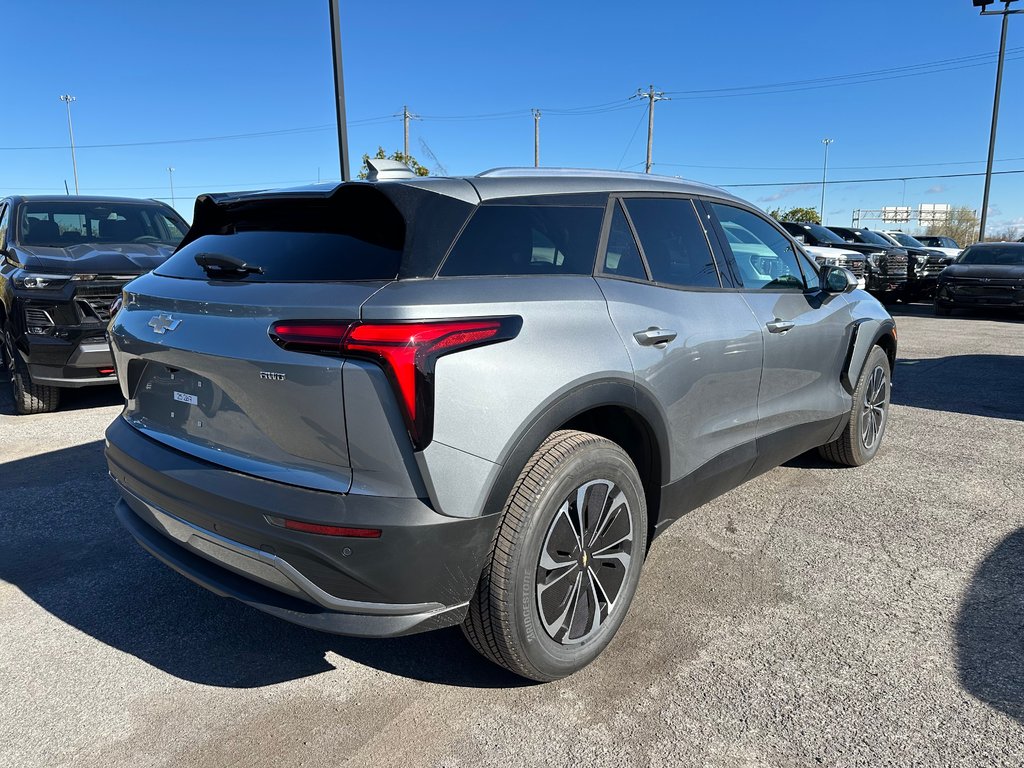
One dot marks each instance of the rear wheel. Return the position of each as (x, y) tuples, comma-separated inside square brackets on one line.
[(28, 397), (859, 442), (566, 559)]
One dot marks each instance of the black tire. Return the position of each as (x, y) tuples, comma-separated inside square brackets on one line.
[(869, 415), (508, 621), (942, 310), (28, 397)]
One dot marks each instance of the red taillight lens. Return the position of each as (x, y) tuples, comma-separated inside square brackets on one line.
[(406, 351)]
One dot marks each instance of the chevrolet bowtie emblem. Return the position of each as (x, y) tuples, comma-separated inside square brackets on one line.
[(162, 323)]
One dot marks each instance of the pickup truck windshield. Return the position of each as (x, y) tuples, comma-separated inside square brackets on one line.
[(60, 224)]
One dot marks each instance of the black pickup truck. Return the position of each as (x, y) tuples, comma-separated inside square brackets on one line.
[(64, 261)]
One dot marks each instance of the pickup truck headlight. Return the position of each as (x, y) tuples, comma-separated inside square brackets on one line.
[(24, 279), (875, 257)]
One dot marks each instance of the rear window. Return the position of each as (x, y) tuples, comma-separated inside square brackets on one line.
[(526, 240), (290, 257), (356, 235)]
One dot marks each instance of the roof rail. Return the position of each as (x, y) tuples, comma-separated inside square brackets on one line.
[(512, 172)]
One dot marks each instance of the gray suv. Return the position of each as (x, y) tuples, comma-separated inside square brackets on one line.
[(383, 407)]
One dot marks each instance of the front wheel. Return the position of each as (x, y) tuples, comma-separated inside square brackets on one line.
[(28, 397), (869, 416), (566, 560)]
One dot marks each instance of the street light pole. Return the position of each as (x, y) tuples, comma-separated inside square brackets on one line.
[(67, 98), (339, 90), (170, 175), (536, 137), (824, 175), (1005, 13)]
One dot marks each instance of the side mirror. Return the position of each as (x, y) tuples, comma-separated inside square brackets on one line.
[(838, 280)]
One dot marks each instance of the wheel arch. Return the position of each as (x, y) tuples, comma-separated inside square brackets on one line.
[(612, 408)]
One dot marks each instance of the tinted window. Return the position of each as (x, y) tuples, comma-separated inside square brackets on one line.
[(764, 256), (526, 240), (1004, 255), (62, 223), (622, 258), (907, 240), (673, 242), (291, 257)]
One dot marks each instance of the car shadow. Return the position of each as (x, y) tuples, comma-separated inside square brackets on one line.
[(62, 547), (990, 629), (980, 385), (70, 399)]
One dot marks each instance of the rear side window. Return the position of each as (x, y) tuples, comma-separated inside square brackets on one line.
[(526, 240), (673, 242)]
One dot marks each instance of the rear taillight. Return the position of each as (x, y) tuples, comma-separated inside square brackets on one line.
[(406, 351), (325, 530)]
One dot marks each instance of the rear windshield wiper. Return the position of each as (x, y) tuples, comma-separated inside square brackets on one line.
[(218, 264)]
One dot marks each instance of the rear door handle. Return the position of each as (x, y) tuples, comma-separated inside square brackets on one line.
[(780, 326), (653, 337)]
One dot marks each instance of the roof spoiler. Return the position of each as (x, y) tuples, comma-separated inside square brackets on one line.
[(383, 170)]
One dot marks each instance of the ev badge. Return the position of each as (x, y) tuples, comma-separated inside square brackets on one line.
[(162, 323)]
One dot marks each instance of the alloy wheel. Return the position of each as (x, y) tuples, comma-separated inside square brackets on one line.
[(873, 412), (584, 562)]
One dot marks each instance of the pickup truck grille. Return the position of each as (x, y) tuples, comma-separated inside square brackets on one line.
[(93, 302), (854, 265), (894, 264)]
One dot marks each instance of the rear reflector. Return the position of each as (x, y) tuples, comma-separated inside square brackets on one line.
[(104, 371), (406, 351), (325, 530)]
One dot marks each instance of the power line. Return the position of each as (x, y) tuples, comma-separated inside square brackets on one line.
[(835, 167), (867, 181)]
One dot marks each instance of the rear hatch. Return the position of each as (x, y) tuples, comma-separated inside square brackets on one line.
[(192, 342)]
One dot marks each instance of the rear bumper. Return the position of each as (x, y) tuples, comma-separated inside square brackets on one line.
[(210, 524)]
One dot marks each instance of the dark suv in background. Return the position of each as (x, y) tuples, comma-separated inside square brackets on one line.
[(385, 407), (64, 261)]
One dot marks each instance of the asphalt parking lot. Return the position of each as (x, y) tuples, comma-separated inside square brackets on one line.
[(814, 616)]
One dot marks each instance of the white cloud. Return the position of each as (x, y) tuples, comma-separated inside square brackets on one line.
[(786, 192), (936, 189)]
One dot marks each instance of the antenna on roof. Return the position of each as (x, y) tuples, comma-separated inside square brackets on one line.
[(66, 190)]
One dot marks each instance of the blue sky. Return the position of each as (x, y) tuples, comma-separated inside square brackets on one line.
[(155, 72)]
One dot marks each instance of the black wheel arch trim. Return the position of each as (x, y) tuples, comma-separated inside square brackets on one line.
[(623, 393), (860, 344)]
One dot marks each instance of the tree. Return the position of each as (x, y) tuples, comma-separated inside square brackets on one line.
[(961, 225), (796, 214), (1009, 234), (398, 155)]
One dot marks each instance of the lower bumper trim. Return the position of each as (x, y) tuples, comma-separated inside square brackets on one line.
[(222, 581)]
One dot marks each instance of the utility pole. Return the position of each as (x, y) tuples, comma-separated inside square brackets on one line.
[(652, 96), (339, 89), (824, 175), (170, 175), (67, 98), (406, 117), (1005, 13), (536, 137)]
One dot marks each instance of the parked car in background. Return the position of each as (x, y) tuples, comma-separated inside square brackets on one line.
[(925, 264), (833, 255), (984, 275), (885, 267), (386, 407), (65, 259), (945, 244)]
